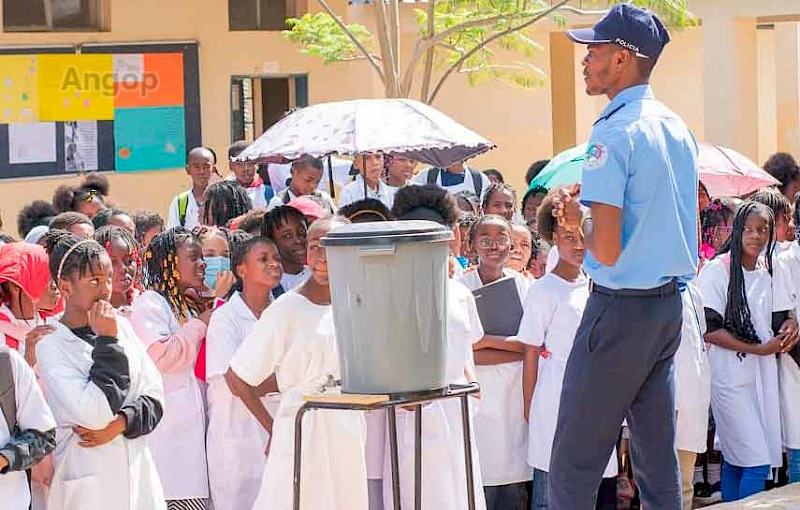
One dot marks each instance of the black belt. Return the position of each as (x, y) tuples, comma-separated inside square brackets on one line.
[(667, 289)]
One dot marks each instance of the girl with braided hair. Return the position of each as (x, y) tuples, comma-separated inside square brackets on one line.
[(748, 323), (224, 201), (171, 319), (123, 250), (104, 390)]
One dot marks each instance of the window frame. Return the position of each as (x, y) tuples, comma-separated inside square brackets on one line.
[(98, 14)]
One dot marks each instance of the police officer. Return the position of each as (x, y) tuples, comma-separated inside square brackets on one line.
[(637, 208)]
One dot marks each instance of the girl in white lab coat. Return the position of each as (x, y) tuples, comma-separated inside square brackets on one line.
[(500, 428), (294, 339), (443, 470), (104, 390), (553, 310), (288, 228), (171, 320), (123, 250), (236, 441), (737, 291)]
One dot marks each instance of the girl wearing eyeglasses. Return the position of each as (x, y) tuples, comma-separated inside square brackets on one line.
[(500, 428)]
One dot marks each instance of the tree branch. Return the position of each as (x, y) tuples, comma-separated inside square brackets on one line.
[(353, 38), (428, 69), (394, 37), (490, 39), (390, 84)]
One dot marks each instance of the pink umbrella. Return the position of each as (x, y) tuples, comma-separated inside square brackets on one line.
[(726, 173)]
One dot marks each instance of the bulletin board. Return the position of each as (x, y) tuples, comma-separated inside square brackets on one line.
[(126, 108)]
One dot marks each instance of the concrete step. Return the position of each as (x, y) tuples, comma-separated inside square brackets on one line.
[(785, 498)]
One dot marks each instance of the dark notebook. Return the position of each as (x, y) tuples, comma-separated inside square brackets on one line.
[(499, 307)]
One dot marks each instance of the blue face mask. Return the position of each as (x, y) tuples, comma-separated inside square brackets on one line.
[(213, 267)]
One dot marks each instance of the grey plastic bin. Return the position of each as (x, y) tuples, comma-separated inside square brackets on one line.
[(389, 295)]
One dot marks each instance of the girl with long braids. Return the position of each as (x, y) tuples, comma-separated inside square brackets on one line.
[(748, 324), (123, 250), (171, 319), (224, 201), (104, 390)]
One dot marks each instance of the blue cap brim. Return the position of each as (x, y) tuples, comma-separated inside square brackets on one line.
[(587, 36)]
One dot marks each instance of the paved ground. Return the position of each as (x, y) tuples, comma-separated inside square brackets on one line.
[(785, 498)]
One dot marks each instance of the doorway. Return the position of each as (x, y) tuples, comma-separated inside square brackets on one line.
[(258, 102)]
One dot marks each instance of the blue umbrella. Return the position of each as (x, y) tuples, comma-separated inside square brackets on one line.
[(563, 169)]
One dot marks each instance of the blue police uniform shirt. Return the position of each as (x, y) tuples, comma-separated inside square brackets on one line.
[(642, 158)]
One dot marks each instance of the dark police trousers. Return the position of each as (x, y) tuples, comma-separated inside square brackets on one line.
[(621, 366)]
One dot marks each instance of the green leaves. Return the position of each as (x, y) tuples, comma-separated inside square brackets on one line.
[(321, 36), (483, 40)]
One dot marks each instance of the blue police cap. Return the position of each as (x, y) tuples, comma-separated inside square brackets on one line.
[(636, 29)]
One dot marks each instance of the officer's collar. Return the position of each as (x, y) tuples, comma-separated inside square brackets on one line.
[(625, 96)]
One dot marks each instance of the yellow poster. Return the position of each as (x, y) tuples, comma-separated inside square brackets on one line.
[(76, 87), (18, 90)]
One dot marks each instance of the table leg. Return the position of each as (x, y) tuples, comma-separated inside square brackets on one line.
[(392, 412), (467, 432), (418, 457), (298, 453)]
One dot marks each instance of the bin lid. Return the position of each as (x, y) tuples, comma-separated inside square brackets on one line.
[(387, 232)]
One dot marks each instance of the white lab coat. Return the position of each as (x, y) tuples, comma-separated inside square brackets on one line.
[(120, 474), (354, 192), (744, 389), (500, 428), (787, 279), (295, 340), (33, 413), (236, 441), (553, 311), (178, 444), (444, 478), (692, 376)]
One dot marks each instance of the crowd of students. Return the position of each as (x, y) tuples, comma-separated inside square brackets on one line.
[(151, 365)]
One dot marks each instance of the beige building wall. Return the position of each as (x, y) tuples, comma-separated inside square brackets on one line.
[(725, 95)]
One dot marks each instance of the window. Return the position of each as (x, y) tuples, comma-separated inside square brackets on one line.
[(259, 14), (51, 15), (258, 102)]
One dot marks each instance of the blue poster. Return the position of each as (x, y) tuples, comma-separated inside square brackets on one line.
[(150, 138)]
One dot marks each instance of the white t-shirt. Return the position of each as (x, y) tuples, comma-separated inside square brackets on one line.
[(290, 281), (500, 428), (553, 311), (192, 212), (552, 259), (33, 413), (467, 185), (354, 192), (744, 389)]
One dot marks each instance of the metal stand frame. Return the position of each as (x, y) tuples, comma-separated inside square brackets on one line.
[(459, 391)]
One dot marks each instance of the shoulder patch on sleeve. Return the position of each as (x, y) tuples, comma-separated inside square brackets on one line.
[(596, 156)]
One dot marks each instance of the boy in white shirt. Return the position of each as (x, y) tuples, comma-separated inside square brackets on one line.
[(27, 428), (184, 210), (306, 175), (244, 172)]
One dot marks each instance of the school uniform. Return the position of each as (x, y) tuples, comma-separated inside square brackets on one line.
[(192, 212), (443, 464), (258, 192), (354, 192), (289, 281), (34, 420), (178, 444), (286, 196), (744, 389), (692, 390), (295, 340), (500, 428), (455, 182), (552, 312), (89, 380), (787, 277), (236, 441)]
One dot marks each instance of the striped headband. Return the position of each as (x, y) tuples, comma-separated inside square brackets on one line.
[(69, 252)]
